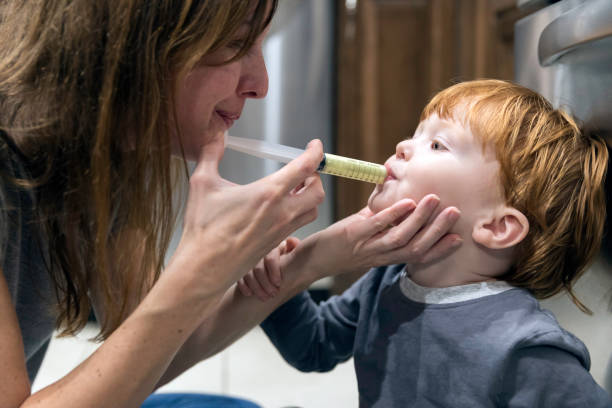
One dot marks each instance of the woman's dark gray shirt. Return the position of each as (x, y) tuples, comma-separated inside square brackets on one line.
[(23, 265)]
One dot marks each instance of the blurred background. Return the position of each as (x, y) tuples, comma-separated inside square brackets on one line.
[(356, 74)]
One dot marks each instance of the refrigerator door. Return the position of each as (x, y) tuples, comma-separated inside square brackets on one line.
[(299, 106), (564, 51)]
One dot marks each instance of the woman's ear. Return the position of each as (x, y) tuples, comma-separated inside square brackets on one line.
[(505, 229)]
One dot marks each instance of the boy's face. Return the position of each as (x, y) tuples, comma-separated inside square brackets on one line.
[(443, 157)]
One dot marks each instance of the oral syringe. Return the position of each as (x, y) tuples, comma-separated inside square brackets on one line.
[(331, 163)]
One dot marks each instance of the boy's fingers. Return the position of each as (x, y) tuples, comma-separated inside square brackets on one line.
[(262, 276), (257, 290), (269, 276), (290, 244), (243, 288)]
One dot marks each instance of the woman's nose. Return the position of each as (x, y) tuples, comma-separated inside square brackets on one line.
[(254, 80), (403, 150)]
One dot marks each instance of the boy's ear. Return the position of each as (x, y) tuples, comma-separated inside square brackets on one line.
[(505, 229)]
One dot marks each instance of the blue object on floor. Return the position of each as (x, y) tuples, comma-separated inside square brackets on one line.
[(183, 400)]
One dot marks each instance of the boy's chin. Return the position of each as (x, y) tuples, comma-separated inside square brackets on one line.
[(376, 205)]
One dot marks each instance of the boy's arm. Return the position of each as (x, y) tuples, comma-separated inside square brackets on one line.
[(316, 337)]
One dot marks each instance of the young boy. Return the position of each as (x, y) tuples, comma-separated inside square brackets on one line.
[(464, 330)]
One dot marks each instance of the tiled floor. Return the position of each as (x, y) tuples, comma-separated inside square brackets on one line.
[(251, 369)]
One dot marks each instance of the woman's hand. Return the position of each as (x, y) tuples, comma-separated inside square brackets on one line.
[(228, 228), (402, 233)]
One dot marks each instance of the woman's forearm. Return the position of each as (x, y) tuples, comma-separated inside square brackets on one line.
[(236, 314), (123, 371)]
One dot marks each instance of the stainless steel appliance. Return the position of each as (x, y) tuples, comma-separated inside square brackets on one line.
[(299, 106), (564, 51)]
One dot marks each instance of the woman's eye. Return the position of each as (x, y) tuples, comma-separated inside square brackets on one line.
[(236, 44)]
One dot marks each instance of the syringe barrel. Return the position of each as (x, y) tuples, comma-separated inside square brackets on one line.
[(353, 168)]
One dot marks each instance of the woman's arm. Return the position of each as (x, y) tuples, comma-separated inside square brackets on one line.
[(227, 229), (14, 382)]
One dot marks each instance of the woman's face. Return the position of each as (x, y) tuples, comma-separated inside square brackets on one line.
[(211, 96)]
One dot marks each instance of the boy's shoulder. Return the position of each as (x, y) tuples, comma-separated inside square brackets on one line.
[(378, 278), (517, 316)]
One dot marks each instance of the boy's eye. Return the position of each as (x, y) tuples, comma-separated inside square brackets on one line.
[(435, 145)]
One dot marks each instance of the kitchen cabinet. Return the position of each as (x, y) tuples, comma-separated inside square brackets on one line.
[(392, 56)]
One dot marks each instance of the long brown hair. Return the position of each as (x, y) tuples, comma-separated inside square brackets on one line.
[(550, 171), (85, 96)]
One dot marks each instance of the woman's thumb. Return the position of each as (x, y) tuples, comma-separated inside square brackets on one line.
[(210, 155)]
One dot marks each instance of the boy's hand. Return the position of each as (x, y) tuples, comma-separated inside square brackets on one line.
[(265, 279)]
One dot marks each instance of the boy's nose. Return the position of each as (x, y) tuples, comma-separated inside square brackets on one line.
[(403, 150)]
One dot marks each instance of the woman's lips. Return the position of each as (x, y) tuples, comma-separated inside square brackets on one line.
[(228, 117)]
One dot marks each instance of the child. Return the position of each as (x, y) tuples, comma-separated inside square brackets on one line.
[(465, 330)]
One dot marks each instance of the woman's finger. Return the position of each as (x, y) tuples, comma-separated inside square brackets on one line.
[(444, 246), (369, 227), (303, 219), (404, 233), (209, 157), (309, 196), (297, 170), (431, 241), (427, 237)]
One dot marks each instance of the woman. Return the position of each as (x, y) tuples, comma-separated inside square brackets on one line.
[(101, 103)]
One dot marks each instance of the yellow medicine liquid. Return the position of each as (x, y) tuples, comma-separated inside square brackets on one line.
[(353, 169)]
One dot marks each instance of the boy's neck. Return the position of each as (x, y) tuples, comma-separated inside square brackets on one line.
[(470, 263)]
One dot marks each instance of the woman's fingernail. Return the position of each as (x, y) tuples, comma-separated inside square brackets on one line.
[(454, 216)]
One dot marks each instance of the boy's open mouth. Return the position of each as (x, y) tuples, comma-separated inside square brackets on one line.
[(390, 173)]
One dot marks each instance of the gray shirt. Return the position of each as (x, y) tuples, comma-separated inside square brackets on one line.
[(496, 350), (23, 266)]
